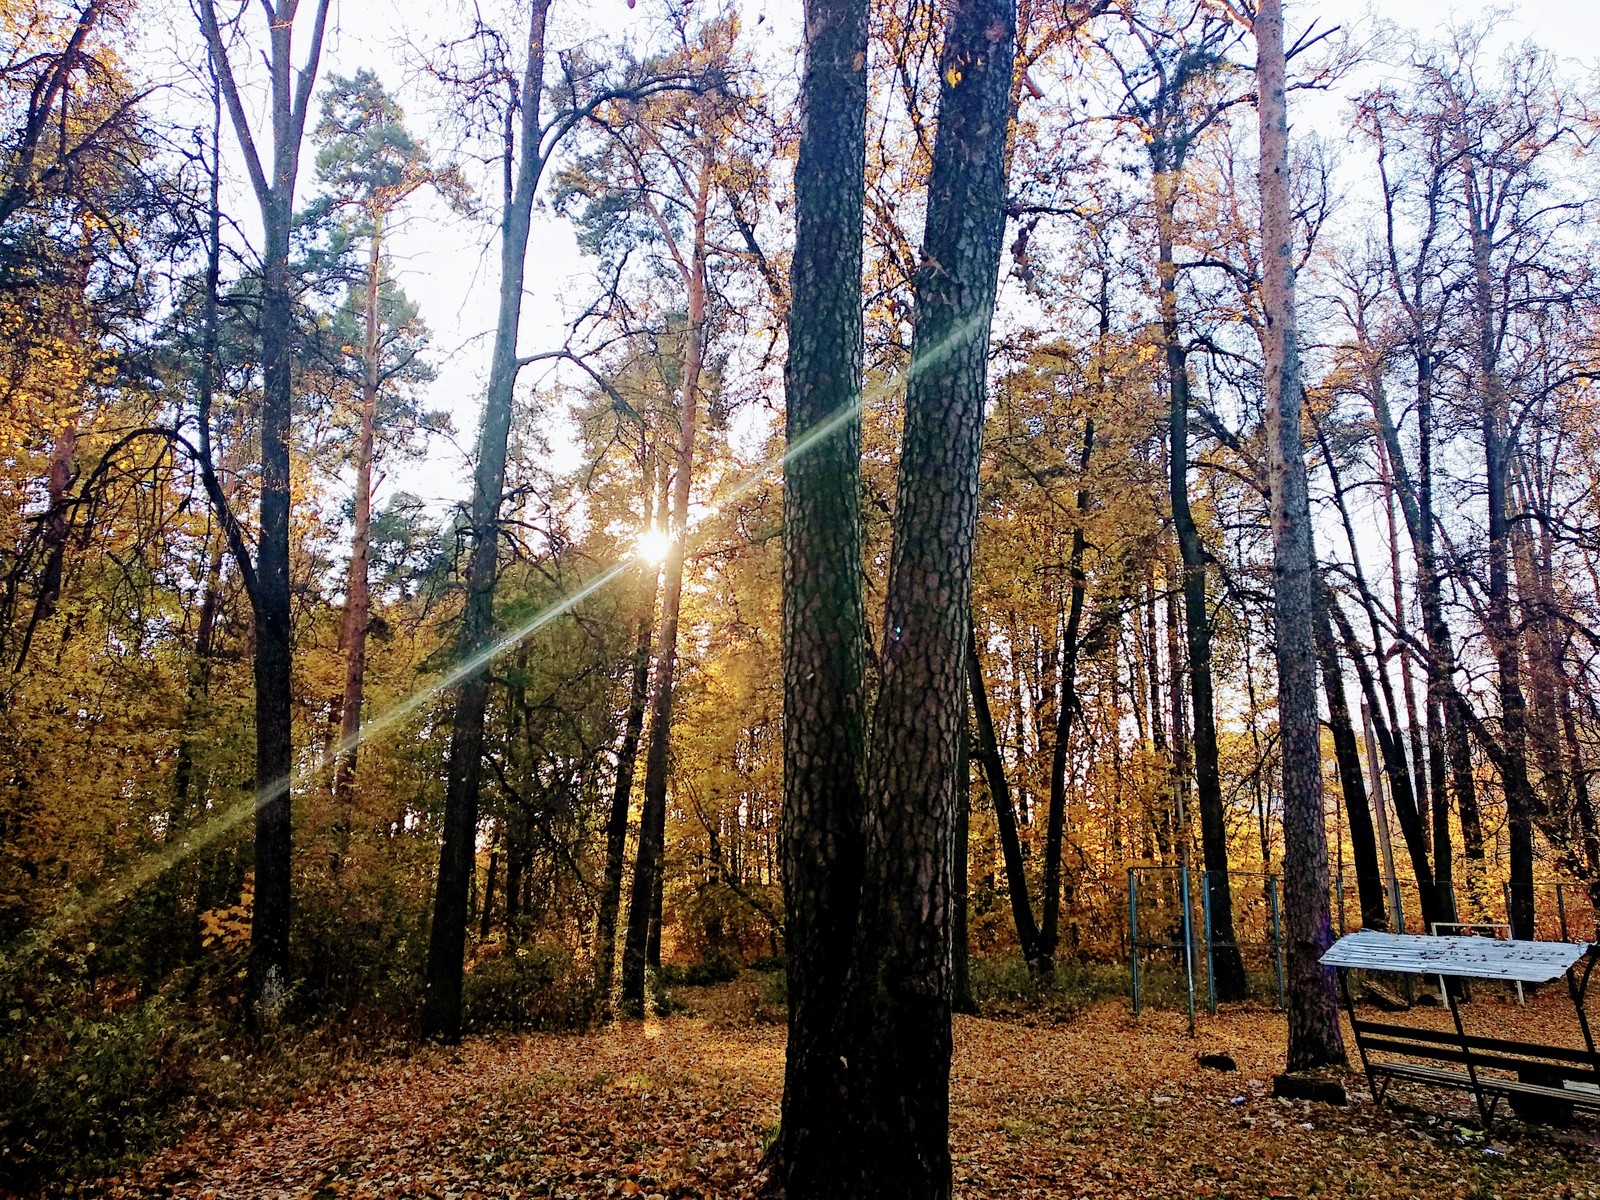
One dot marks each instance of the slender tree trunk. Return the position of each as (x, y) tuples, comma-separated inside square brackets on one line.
[(899, 1058), (1314, 1037), (441, 1011), (205, 385), (274, 184), (824, 619), (1421, 778), (516, 840), (994, 773), (1226, 960), (1069, 707), (605, 946), (652, 944), (1544, 673), (644, 899), (1363, 840), (1179, 817), (489, 880), (1405, 805), (1504, 643), (357, 599), (198, 692), (1438, 904), (1442, 658), (1449, 751)]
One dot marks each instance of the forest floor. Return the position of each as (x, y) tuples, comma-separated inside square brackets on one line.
[(1103, 1105)]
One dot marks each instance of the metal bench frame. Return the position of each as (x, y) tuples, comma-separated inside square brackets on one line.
[(1478, 1054)]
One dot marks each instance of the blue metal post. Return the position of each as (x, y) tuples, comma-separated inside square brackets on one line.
[(1188, 945), (1205, 932)]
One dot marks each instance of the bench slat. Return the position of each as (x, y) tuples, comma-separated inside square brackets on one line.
[(1448, 1037), (1498, 1062), (1491, 1084)]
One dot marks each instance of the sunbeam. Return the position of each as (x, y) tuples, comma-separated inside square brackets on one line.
[(83, 906)]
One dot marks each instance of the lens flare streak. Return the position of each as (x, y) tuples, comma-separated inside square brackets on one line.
[(84, 905)]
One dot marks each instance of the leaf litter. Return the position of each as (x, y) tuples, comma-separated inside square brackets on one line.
[(1103, 1106)]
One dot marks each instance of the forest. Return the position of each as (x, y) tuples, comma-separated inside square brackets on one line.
[(840, 520)]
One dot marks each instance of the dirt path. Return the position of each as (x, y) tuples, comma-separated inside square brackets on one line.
[(1104, 1107)]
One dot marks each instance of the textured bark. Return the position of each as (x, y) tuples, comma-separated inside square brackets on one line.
[(1358, 813), (274, 184), (961, 998), (1314, 1037), (824, 620), (441, 1010), (899, 1056), (1226, 960), (644, 901), (1005, 815)]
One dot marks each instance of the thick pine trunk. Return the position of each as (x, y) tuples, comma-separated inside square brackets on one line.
[(824, 621), (441, 1010), (962, 999), (1314, 1038), (899, 1056)]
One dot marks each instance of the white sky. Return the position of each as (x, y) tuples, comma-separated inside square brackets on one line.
[(449, 265)]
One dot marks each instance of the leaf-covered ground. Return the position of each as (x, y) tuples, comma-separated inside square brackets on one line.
[(1104, 1106)]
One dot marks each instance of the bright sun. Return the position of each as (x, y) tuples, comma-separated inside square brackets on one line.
[(653, 545)]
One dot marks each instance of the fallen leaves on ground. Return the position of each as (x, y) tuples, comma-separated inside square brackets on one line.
[(1106, 1106)]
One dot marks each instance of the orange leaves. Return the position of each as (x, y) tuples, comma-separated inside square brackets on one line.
[(228, 928), (1106, 1107)]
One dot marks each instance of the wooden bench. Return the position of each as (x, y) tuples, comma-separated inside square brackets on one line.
[(1539, 1082)]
